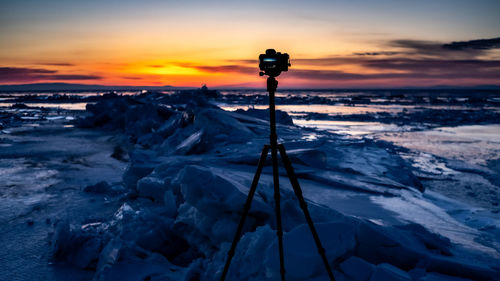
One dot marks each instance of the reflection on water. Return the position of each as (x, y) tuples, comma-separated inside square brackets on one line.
[(474, 144), (234, 107), (316, 108), (352, 128), (68, 106), (340, 127), (78, 94), (347, 110)]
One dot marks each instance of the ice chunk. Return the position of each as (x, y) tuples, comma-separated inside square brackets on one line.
[(170, 203), (152, 267), (432, 276), (213, 194), (281, 116), (357, 269), (221, 126), (191, 144), (177, 121), (247, 263), (142, 163), (103, 187), (109, 255), (80, 248), (302, 260), (152, 187), (310, 157), (100, 187), (135, 172), (378, 245), (88, 254), (159, 238), (387, 272)]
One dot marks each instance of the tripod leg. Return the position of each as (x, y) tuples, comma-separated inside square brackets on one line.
[(303, 206), (246, 208), (279, 231)]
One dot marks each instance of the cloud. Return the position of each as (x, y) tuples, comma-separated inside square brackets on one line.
[(321, 61), (310, 74), (55, 64), (395, 66), (132, 77), (227, 68), (408, 60), (413, 65), (376, 54), (462, 49), (72, 77), (480, 44), (392, 67), (20, 74), (440, 73)]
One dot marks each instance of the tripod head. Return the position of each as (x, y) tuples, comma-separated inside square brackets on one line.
[(272, 63)]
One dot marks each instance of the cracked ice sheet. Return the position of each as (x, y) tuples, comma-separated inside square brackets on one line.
[(422, 210)]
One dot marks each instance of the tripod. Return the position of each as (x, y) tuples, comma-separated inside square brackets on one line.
[(272, 84)]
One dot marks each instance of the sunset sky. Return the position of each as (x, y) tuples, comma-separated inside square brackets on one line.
[(332, 44)]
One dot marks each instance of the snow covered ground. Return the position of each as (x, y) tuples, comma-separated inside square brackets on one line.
[(152, 187)]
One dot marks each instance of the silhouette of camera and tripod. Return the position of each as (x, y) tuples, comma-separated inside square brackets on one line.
[(272, 63)]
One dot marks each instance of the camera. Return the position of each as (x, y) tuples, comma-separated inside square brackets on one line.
[(272, 63)]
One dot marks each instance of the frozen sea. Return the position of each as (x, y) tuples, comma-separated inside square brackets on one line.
[(449, 141)]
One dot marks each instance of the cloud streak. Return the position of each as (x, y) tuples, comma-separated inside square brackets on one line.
[(55, 64), (480, 44), (20, 74), (228, 68)]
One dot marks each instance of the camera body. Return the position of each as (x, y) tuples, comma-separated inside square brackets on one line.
[(272, 63)]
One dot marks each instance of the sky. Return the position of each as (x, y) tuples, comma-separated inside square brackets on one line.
[(332, 44)]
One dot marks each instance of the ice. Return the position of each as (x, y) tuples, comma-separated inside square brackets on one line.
[(357, 269), (223, 196), (309, 157), (152, 187), (188, 173), (302, 260), (78, 246), (109, 255), (190, 144), (103, 187), (169, 200), (435, 219), (281, 116), (432, 276), (139, 167), (209, 212), (247, 263), (387, 272)]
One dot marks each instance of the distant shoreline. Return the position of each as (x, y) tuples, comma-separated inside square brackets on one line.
[(42, 87)]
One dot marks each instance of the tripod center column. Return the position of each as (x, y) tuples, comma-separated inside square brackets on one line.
[(272, 85)]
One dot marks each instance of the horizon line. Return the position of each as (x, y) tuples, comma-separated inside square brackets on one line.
[(144, 87)]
